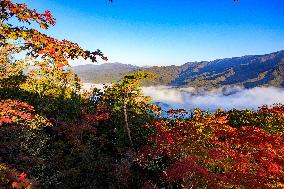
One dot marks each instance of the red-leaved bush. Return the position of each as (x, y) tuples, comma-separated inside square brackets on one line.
[(14, 112), (10, 178), (205, 151)]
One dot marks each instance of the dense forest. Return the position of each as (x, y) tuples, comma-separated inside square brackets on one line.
[(55, 135)]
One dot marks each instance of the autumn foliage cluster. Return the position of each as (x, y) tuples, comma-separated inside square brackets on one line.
[(206, 151), (53, 134)]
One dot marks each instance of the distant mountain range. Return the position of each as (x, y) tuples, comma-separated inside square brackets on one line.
[(248, 71)]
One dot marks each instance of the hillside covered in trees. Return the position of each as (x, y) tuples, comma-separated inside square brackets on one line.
[(248, 71)]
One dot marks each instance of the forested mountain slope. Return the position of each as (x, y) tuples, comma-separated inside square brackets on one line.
[(248, 71), (104, 73)]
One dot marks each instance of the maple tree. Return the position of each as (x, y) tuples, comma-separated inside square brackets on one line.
[(34, 42), (20, 114)]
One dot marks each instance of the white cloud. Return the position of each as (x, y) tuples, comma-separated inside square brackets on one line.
[(227, 99)]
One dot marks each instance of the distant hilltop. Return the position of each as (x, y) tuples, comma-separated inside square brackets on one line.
[(247, 71)]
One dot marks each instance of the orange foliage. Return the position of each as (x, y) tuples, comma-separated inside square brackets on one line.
[(14, 112), (35, 42)]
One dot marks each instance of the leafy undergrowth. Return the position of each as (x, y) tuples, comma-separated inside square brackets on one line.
[(54, 135)]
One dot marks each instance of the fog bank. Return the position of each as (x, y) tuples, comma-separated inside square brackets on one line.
[(188, 98), (227, 99)]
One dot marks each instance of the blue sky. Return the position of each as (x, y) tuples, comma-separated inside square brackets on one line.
[(167, 32)]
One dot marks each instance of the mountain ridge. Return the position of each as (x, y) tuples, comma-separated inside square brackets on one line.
[(248, 71)]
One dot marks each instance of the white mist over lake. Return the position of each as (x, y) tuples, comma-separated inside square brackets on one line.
[(187, 98), (236, 97)]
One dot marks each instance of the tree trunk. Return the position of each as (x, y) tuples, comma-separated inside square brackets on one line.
[(126, 121)]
